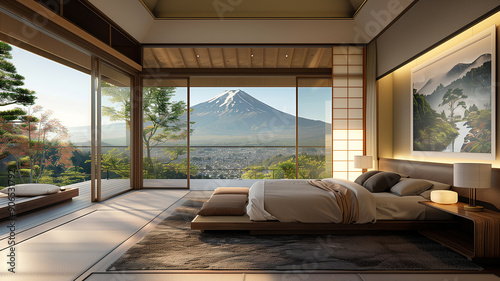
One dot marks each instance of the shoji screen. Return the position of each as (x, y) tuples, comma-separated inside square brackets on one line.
[(347, 109)]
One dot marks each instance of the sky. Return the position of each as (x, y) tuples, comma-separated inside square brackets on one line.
[(67, 92)]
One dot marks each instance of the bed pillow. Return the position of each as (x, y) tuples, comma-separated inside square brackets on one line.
[(223, 208), (32, 189), (363, 177), (229, 197), (231, 190), (381, 182), (408, 187), (436, 186)]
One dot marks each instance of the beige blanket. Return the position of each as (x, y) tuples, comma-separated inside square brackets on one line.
[(346, 199)]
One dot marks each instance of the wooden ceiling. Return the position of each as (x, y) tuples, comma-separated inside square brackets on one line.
[(241, 57)]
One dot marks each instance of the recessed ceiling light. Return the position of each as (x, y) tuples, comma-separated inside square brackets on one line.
[(286, 56), (251, 55), (197, 56)]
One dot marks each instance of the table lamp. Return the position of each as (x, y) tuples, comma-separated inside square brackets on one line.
[(363, 162), (472, 176)]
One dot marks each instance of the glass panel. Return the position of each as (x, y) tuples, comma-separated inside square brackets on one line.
[(355, 60), (243, 127), (340, 69), (45, 139), (339, 92), (165, 133), (339, 103), (339, 82), (355, 103), (115, 131), (355, 92), (314, 128), (339, 124), (339, 59)]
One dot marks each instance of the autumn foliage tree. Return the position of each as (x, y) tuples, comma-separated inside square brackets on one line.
[(37, 144)]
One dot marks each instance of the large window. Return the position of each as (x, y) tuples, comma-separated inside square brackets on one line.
[(278, 126), (243, 127), (46, 140)]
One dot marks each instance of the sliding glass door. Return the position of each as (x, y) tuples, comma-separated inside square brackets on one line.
[(110, 131), (314, 128), (166, 133)]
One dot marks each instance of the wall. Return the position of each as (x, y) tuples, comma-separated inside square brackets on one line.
[(425, 24), (394, 107), (398, 86)]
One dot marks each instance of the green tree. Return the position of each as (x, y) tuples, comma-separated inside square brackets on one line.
[(116, 162), (429, 132), (11, 91), (162, 117), (454, 99)]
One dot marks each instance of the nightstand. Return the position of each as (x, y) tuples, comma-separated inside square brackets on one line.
[(478, 234)]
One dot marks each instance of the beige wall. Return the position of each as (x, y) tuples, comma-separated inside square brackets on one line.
[(394, 93)]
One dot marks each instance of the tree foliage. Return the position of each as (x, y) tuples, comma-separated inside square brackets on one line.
[(430, 131), (11, 91), (454, 99), (163, 120), (279, 167)]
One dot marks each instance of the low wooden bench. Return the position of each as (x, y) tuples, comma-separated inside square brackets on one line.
[(26, 204)]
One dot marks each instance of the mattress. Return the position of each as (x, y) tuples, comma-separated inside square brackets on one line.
[(390, 206)]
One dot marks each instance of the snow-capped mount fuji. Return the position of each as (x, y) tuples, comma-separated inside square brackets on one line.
[(236, 118), (233, 101)]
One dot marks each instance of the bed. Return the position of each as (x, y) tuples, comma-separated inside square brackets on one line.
[(296, 206)]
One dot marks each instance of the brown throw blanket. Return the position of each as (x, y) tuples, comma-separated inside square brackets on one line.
[(346, 199)]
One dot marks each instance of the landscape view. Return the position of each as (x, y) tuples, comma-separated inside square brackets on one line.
[(452, 103), (232, 134)]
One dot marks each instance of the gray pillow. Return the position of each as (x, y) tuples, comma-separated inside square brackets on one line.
[(363, 177), (436, 186), (381, 182), (408, 187)]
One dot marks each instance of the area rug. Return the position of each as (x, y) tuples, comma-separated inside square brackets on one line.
[(172, 245)]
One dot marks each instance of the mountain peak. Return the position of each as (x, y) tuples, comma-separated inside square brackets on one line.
[(235, 99), (228, 96)]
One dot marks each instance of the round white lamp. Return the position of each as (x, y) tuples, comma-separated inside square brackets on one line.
[(444, 196)]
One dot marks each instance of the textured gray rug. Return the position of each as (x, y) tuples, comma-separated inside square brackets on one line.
[(173, 246)]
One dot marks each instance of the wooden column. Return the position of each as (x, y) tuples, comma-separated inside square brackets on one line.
[(136, 177)]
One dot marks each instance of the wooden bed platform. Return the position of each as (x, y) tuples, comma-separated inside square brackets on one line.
[(26, 204), (243, 223)]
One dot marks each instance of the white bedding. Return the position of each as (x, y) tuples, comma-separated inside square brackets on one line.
[(298, 201), (393, 207)]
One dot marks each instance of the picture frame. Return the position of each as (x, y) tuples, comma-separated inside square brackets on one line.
[(453, 104)]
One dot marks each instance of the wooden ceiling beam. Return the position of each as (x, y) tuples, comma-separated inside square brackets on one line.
[(186, 72)]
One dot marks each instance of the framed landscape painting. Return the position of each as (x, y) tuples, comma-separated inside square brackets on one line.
[(453, 104)]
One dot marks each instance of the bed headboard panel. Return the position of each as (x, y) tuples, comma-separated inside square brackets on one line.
[(443, 173)]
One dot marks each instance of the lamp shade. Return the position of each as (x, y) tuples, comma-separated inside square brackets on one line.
[(363, 162), (444, 196), (472, 175)]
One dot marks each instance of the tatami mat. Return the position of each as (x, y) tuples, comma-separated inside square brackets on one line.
[(65, 250)]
